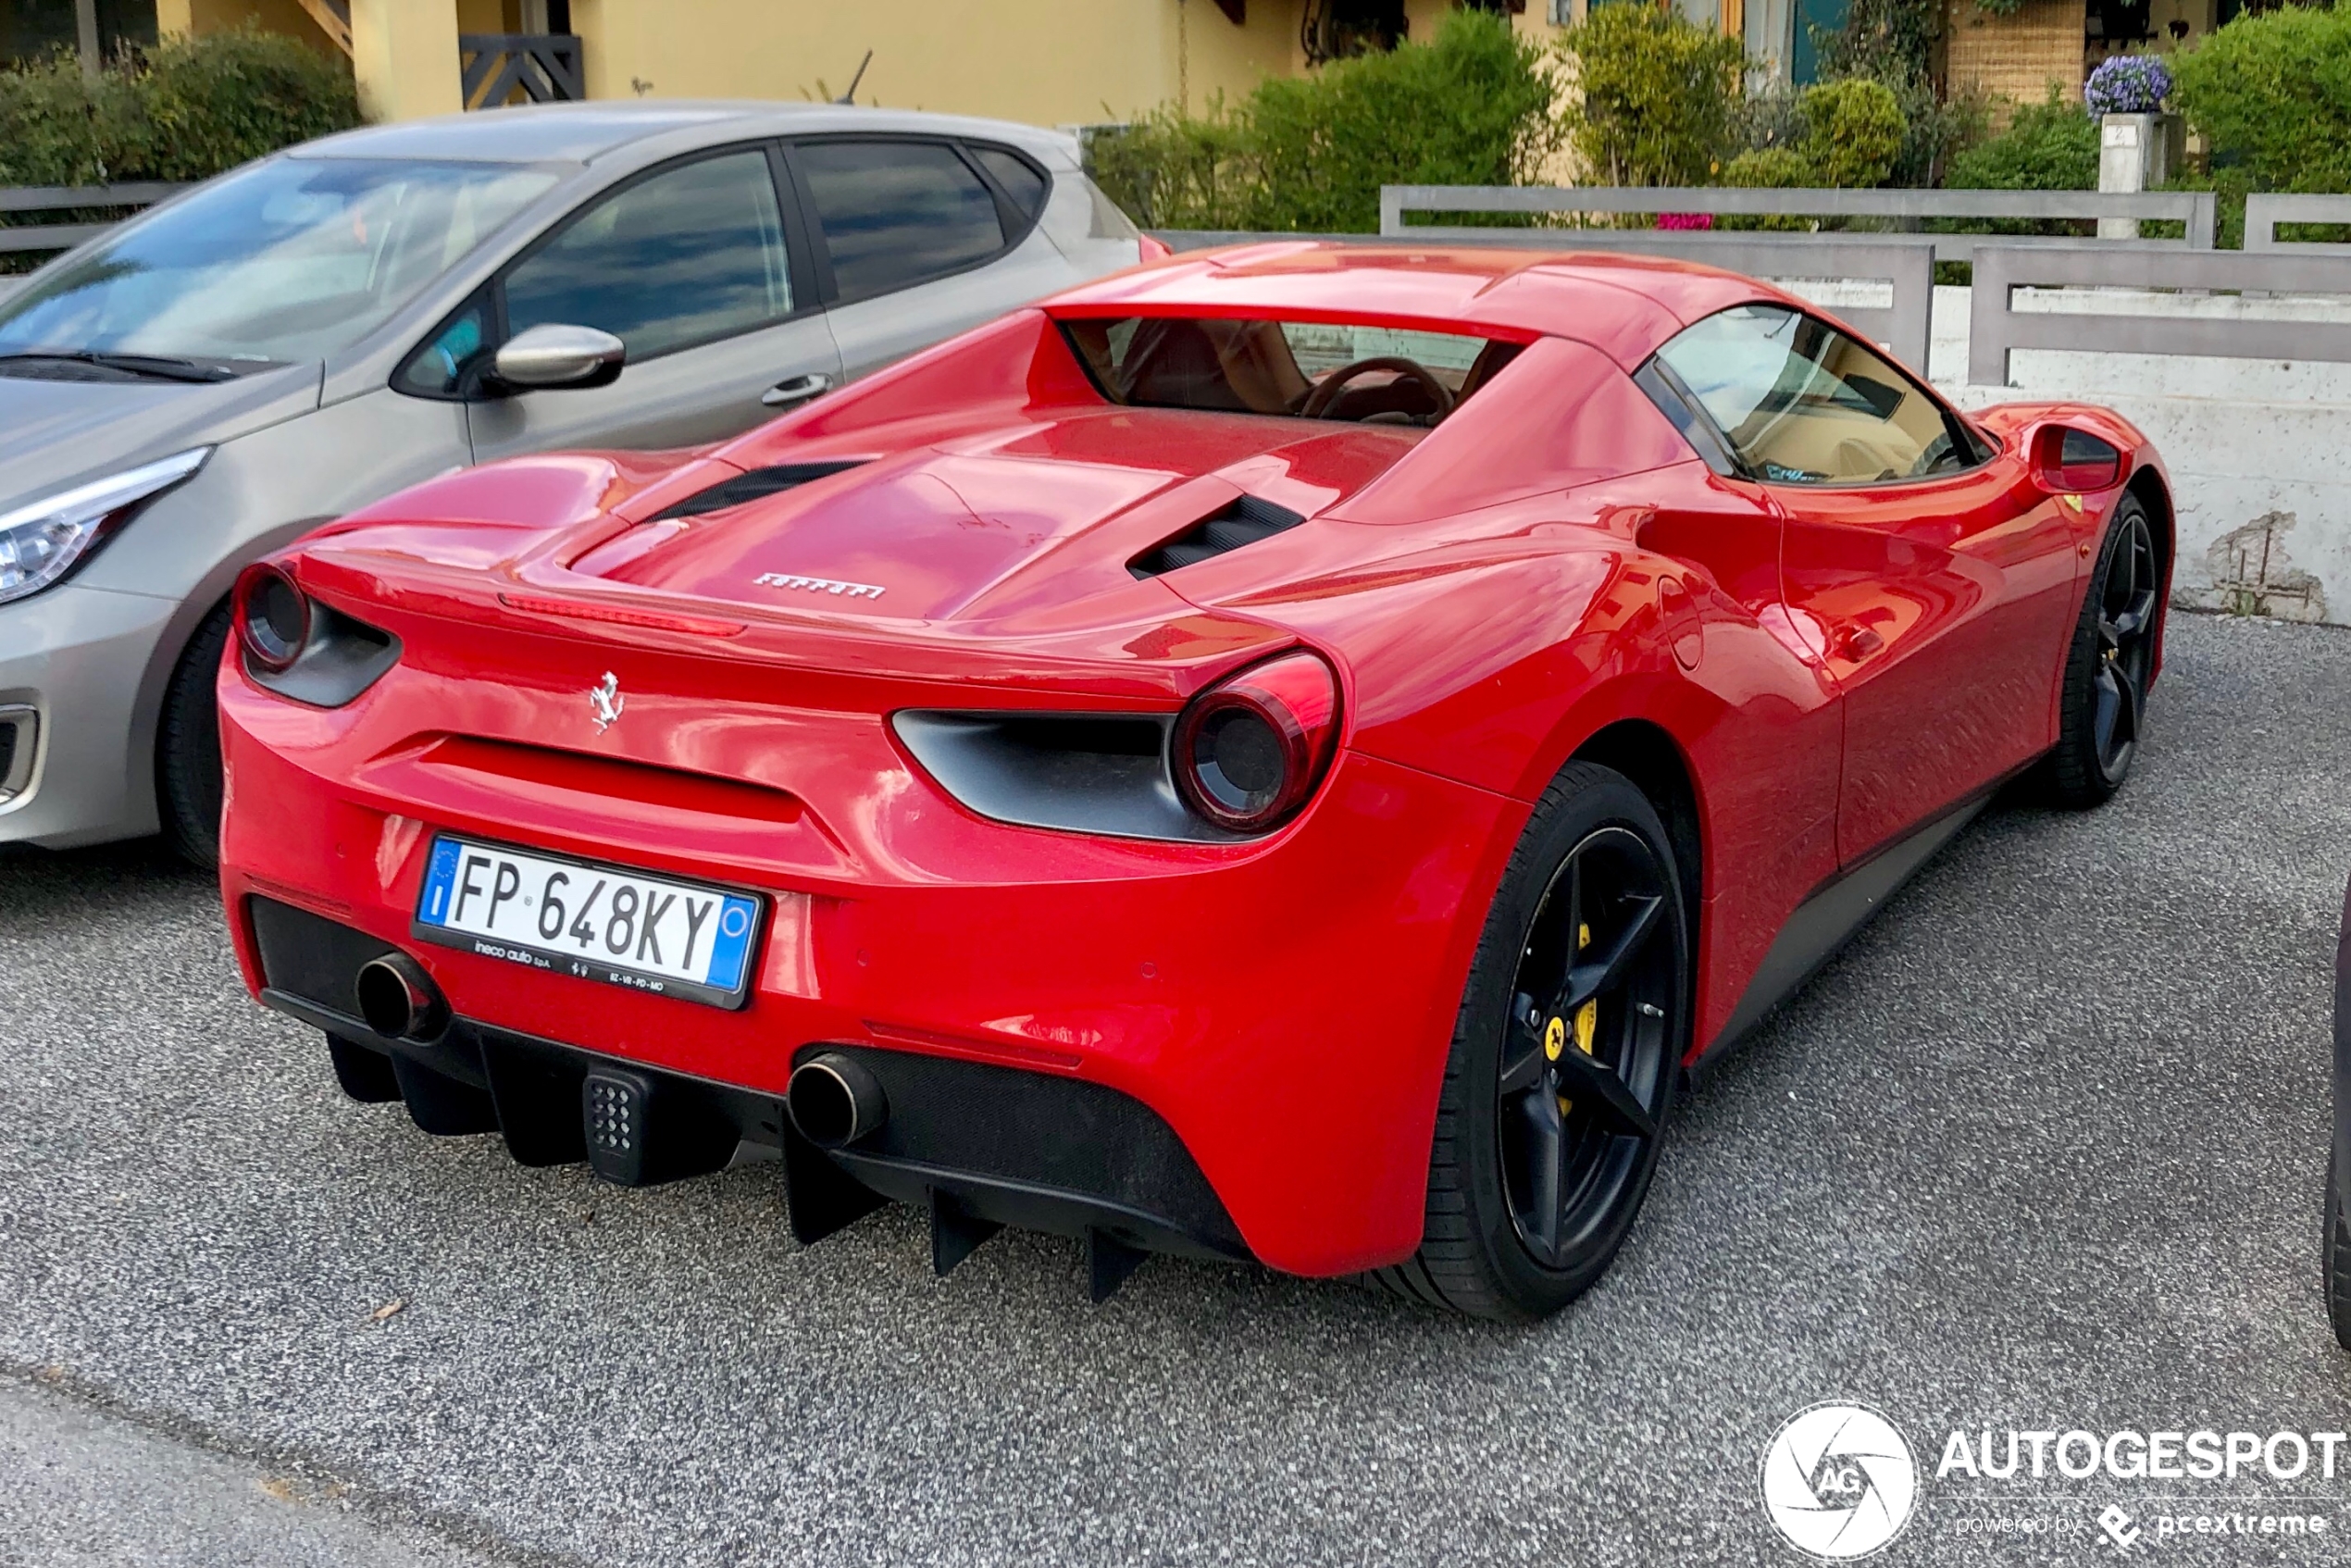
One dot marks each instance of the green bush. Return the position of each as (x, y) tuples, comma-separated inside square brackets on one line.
[(1173, 171), (1660, 96), (1472, 107), (2049, 146), (2272, 94), (183, 109), (1768, 168), (208, 103), (1853, 131), (49, 126)]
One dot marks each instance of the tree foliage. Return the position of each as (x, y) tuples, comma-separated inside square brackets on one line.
[(1472, 107), (2271, 94), (1853, 131), (1658, 95)]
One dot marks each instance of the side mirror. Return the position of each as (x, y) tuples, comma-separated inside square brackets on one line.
[(556, 355), (2071, 462)]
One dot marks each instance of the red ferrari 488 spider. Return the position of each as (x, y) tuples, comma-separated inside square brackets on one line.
[(1288, 754)]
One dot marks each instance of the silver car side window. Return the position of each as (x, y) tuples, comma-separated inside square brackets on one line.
[(693, 253), (897, 213)]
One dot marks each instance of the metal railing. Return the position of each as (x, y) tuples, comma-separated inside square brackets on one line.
[(545, 66), (71, 198), (1996, 329), (2195, 210), (1904, 263), (2264, 212)]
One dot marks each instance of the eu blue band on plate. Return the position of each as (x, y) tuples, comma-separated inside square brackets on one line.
[(736, 921), (441, 878)]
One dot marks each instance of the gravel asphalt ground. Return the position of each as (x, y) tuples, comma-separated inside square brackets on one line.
[(2042, 1149)]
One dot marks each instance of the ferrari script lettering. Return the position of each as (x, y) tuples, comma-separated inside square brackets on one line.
[(819, 585)]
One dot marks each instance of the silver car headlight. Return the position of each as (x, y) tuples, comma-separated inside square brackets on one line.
[(41, 541)]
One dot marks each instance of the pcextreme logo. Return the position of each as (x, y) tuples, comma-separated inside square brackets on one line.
[(1839, 1481)]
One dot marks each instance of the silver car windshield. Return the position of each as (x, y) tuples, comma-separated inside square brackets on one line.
[(287, 261)]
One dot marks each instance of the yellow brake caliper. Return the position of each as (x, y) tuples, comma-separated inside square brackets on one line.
[(1587, 1024)]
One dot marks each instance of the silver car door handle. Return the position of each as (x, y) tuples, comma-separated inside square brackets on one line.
[(798, 389)]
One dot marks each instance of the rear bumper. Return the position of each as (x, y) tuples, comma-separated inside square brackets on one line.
[(78, 658), (1284, 1014), (1054, 1153)]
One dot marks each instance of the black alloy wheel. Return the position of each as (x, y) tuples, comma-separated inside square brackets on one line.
[(1585, 1057), (2110, 664), (1565, 1053)]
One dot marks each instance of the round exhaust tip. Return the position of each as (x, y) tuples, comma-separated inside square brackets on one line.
[(398, 1000), (834, 1100)]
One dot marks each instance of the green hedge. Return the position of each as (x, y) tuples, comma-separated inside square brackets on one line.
[(182, 110), (2272, 94), (1472, 107), (2049, 146)]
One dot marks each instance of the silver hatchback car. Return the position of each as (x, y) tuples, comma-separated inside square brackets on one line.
[(311, 332)]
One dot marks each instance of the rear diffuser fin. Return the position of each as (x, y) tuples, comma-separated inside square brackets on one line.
[(1110, 1263), (955, 1232), (819, 1195)]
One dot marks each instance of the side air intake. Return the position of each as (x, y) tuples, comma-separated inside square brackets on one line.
[(752, 485), (1246, 521)]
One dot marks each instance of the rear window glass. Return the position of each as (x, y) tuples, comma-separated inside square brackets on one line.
[(1017, 176), (1316, 370)]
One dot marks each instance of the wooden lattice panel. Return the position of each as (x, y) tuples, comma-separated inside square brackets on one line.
[(2015, 57)]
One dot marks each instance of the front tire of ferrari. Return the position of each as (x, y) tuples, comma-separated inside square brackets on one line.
[(1565, 1052), (188, 746), (2108, 664)]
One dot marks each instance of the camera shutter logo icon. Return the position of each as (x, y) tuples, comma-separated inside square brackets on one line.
[(1839, 1482)]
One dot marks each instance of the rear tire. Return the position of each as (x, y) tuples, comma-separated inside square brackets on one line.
[(2109, 665), (188, 790), (1565, 1052), (2337, 1248)]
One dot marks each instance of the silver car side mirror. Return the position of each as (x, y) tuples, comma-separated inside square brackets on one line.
[(558, 355)]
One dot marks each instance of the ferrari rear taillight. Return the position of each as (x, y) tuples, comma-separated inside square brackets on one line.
[(1250, 751), (272, 615)]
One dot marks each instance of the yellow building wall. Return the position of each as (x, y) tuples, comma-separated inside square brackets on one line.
[(219, 15), (1047, 62)]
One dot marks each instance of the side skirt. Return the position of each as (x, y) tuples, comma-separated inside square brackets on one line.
[(1825, 922)]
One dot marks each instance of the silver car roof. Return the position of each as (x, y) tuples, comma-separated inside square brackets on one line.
[(583, 132)]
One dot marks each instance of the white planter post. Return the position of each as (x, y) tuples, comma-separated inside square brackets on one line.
[(2136, 153)]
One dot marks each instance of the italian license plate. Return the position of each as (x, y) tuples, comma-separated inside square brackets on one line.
[(605, 923)]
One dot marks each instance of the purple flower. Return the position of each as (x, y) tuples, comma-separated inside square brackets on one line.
[(1686, 220), (2128, 84)]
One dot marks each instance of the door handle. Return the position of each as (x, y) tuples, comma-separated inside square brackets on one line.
[(796, 388)]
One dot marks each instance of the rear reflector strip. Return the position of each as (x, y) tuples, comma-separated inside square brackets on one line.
[(614, 614)]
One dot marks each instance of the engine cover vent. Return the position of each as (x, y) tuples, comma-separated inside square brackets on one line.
[(752, 485), (1246, 521)]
